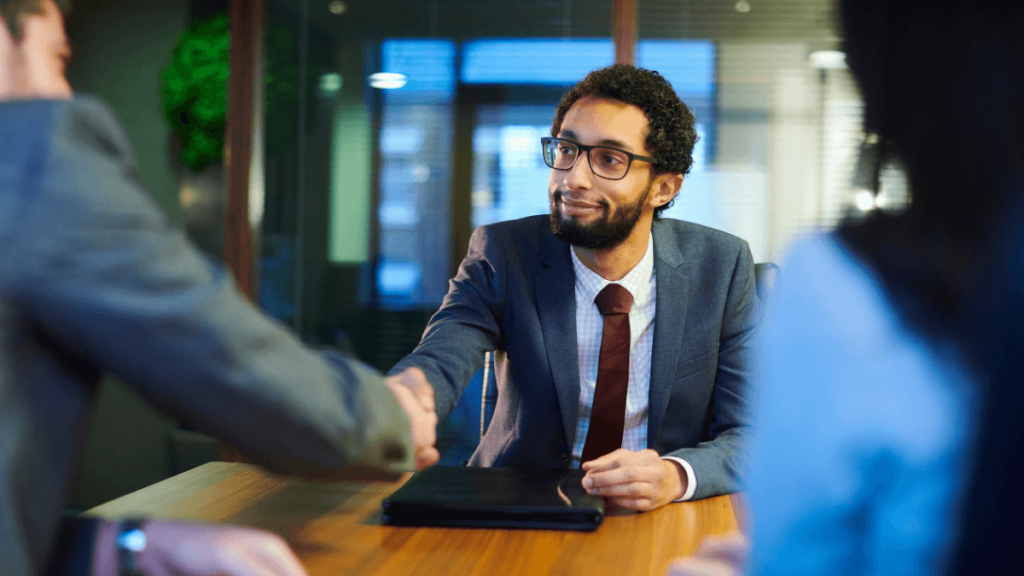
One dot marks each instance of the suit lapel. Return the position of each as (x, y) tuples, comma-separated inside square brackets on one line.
[(670, 315), (555, 288)]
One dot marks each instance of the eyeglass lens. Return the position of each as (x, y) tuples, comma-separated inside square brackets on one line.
[(606, 162)]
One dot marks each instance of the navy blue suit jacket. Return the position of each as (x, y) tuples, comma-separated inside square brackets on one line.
[(515, 294)]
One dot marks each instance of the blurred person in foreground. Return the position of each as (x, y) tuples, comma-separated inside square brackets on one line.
[(890, 429), (95, 279)]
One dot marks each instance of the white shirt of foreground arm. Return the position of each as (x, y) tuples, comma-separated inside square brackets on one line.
[(642, 284)]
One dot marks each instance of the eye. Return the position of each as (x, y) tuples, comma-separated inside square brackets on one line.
[(566, 149), (611, 158)]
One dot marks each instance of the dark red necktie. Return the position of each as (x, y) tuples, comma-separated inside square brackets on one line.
[(608, 415)]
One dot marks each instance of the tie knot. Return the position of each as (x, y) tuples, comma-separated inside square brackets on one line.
[(614, 299)]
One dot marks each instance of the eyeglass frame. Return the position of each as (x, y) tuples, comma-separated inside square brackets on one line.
[(585, 149)]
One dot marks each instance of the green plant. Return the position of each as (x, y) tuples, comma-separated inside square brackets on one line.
[(194, 91), (195, 83)]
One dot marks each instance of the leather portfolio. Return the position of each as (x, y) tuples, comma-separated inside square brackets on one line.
[(470, 496)]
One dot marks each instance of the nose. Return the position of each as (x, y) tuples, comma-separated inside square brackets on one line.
[(580, 176)]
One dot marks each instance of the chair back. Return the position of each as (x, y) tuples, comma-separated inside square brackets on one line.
[(765, 274)]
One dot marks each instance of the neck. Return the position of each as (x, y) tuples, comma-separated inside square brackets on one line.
[(614, 263)]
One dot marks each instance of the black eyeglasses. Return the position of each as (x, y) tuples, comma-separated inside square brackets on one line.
[(608, 163)]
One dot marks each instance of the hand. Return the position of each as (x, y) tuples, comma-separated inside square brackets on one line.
[(717, 556), (191, 549), (416, 396), (636, 480)]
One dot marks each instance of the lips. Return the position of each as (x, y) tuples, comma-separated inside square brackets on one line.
[(571, 207)]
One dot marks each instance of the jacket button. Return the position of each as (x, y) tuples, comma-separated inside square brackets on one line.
[(563, 455)]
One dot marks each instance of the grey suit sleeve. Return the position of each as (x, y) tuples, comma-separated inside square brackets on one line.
[(468, 323), (717, 462), (111, 282)]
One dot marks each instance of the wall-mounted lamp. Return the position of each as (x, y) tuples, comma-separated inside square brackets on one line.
[(337, 7), (387, 80), (743, 6)]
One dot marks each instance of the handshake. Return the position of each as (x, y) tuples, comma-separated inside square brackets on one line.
[(416, 396)]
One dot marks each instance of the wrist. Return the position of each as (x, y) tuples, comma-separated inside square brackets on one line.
[(104, 559), (677, 479), (130, 543)]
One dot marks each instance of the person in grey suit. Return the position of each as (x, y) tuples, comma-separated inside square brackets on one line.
[(621, 145), (95, 279)]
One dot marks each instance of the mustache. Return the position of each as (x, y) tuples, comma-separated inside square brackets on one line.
[(557, 195)]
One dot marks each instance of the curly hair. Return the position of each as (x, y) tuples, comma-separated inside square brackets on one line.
[(671, 132), (14, 10)]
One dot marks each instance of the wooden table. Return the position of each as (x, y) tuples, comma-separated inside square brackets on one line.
[(335, 528)]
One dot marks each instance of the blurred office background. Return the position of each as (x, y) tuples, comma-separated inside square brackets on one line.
[(385, 131)]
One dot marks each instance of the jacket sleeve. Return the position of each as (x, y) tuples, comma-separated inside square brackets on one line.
[(468, 323), (717, 463), (74, 547), (110, 282)]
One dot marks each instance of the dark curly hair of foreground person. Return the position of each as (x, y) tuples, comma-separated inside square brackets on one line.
[(671, 132)]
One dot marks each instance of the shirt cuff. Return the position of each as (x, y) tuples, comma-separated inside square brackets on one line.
[(691, 478)]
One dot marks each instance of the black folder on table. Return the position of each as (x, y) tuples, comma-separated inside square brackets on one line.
[(477, 497)]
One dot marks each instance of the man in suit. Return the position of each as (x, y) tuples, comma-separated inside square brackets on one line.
[(663, 417), (94, 279)]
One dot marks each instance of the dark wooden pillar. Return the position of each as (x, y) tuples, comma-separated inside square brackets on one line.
[(624, 30), (245, 79)]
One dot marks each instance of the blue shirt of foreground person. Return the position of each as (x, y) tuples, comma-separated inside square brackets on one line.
[(621, 145), (94, 279)]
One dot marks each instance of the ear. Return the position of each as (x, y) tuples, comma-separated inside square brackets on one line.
[(664, 189)]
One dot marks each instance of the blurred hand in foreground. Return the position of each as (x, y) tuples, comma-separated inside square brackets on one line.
[(717, 556), (416, 396), (176, 548), (635, 480)]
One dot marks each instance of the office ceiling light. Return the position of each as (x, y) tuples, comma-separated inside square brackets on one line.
[(827, 60), (387, 80), (337, 7), (743, 6)]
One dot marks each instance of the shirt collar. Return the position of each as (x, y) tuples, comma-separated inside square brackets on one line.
[(590, 283)]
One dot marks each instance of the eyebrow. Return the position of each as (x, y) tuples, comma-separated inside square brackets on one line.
[(610, 142)]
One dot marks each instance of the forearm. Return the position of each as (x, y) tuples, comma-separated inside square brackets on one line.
[(449, 359), (717, 463)]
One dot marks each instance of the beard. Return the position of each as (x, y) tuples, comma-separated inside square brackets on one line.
[(605, 233)]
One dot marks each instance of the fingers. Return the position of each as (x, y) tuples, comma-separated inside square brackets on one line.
[(640, 504), (635, 480), (717, 556), (623, 467), (701, 567), (279, 558), (731, 548), (606, 462), (427, 457), (620, 475), (416, 398), (205, 550)]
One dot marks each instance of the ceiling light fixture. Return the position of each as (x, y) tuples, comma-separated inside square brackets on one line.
[(387, 80)]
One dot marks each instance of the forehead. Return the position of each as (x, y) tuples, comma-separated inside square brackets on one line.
[(593, 120)]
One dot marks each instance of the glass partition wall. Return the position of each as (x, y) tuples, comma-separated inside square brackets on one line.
[(393, 128)]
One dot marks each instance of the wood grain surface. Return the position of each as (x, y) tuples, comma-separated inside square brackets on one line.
[(335, 528)]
